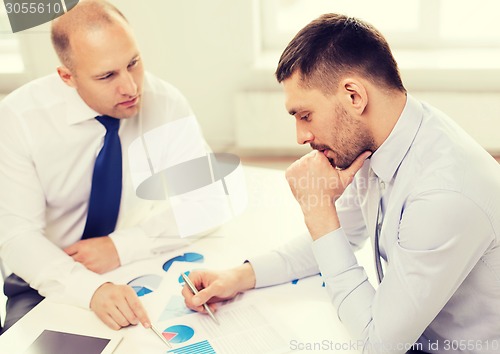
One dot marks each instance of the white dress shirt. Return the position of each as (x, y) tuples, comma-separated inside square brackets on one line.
[(440, 241), (49, 140)]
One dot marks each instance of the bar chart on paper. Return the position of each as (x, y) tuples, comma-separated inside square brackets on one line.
[(203, 347)]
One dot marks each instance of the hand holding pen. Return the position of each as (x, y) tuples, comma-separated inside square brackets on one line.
[(217, 286), (195, 291)]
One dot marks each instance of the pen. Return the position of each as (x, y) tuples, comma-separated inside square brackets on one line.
[(158, 333), (195, 291)]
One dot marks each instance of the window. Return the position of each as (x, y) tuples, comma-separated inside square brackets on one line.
[(409, 24), (438, 44)]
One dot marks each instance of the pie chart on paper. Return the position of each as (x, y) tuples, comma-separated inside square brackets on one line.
[(145, 284), (178, 333)]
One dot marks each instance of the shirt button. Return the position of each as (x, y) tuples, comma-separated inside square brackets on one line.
[(382, 185)]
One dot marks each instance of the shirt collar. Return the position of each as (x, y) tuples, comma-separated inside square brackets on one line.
[(77, 110), (386, 160)]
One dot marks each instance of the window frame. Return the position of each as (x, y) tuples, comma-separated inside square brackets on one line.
[(426, 64), (423, 38)]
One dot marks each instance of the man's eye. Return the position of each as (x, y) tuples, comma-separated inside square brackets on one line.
[(305, 118), (133, 63), (105, 77)]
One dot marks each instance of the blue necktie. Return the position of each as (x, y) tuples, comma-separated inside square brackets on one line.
[(105, 194)]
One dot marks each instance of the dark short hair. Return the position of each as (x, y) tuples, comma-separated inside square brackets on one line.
[(333, 46)]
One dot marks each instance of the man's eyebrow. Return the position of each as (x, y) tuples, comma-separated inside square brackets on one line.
[(135, 57), (293, 111), (104, 73)]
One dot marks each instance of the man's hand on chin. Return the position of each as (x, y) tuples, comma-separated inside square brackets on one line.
[(316, 186)]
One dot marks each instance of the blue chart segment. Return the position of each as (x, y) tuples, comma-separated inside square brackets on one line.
[(145, 284), (198, 348), (181, 280), (186, 257), (295, 281), (178, 334)]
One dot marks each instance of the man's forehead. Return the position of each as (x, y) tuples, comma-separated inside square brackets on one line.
[(296, 94)]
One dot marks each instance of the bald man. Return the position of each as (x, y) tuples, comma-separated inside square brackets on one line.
[(49, 141)]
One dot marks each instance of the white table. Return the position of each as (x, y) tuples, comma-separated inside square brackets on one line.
[(272, 217)]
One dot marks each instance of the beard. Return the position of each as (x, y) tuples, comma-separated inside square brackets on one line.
[(350, 138), (321, 147)]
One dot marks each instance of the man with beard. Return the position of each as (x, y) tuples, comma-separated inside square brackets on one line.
[(391, 169)]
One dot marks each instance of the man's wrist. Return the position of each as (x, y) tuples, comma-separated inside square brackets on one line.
[(246, 276), (321, 221)]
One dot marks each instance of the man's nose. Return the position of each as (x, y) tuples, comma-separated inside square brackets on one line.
[(304, 136), (127, 86)]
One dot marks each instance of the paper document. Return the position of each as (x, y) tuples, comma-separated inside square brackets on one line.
[(247, 325), (244, 328)]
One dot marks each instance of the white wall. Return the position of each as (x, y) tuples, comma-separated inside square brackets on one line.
[(202, 47), (208, 49), (205, 48)]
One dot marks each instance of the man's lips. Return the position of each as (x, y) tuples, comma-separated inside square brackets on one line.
[(129, 103), (324, 152)]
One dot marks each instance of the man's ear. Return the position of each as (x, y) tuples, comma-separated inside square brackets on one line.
[(66, 75), (354, 94)]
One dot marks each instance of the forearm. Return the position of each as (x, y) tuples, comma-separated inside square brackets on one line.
[(49, 270), (290, 261), (245, 277), (321, 221)]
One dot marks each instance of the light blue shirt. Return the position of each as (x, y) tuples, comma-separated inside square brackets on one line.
[(440, 240)]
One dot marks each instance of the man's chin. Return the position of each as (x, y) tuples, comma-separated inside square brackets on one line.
[(341, 166), (126, 113)]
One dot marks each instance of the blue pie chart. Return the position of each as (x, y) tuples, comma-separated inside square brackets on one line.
[(178, 333), (145, 284), (186, 257)]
